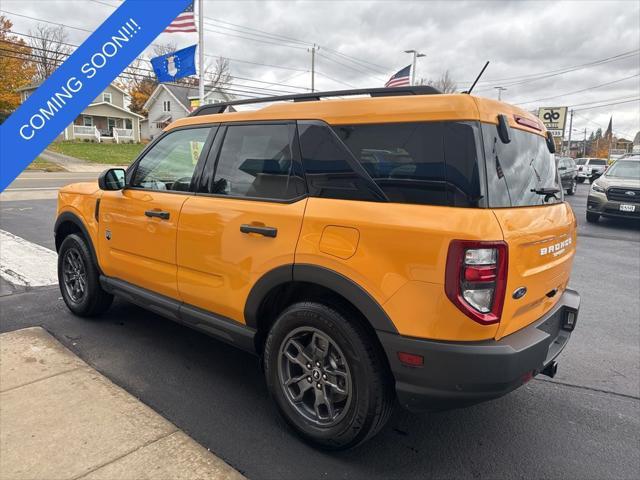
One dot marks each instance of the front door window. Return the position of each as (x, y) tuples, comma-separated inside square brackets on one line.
[(169, 165)]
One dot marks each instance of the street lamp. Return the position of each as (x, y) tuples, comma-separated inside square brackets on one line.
[(416, 55)]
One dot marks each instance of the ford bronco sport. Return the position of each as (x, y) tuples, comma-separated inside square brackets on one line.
[(396, 245)]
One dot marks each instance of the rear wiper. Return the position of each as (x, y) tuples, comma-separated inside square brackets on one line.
[(548, 192)]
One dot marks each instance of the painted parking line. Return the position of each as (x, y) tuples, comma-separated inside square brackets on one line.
[(25, 263)]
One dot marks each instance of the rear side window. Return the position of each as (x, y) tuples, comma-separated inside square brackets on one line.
[(258, 161), (433, 163), (327, 166)]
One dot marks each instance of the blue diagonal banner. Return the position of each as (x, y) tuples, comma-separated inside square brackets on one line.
[(80, 79)]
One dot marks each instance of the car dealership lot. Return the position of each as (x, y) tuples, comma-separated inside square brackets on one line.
[(584, 423)]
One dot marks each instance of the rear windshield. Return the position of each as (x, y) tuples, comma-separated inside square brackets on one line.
[(625, 169), (434, 163), (516, 170), (597, 162)]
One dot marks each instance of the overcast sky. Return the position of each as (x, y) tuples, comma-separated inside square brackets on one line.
[(523, 40)]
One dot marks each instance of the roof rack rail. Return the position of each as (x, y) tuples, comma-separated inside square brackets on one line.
[(215, 108)]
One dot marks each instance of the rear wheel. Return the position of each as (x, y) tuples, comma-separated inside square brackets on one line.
[(329, 380), (572, 189), (581, 180), (79, 280), (592, 217)]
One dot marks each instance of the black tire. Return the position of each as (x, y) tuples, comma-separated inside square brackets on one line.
[(581, 179), (371, 399), (592, 217), (92, 300), (572, 190)]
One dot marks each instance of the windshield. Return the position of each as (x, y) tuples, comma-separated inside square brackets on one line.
[(581, 161), (597, 162), (625, 169), (517, 171)]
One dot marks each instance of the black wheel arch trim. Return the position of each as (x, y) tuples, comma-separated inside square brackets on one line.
[(325, 277), (65, 217)]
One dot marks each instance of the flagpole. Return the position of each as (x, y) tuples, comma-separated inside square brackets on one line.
[(201, 51)]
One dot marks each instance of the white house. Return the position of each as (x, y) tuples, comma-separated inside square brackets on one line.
[(107, 118), (169, 102)]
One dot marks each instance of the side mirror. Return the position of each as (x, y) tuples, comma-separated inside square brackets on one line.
[(112, 179), (551, 145)]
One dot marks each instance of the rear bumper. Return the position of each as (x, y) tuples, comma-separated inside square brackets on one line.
[(457, 374)]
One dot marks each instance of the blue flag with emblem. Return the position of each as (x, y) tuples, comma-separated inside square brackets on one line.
[(175, 65)]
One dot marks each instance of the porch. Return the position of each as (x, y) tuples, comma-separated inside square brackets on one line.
[(105, 123)]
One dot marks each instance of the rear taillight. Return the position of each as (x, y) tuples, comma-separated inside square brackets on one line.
[(476, 278)]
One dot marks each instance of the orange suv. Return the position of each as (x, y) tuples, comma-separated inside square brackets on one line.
[(394, 245)]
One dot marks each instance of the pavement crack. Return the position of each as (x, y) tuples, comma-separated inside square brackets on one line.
[(133, 450), (591, 389), (41, 379)]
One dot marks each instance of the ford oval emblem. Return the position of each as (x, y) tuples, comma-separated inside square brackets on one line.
[(519, 293)]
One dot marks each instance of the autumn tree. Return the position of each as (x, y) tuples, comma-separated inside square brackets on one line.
[(15, 68), (49, 49)]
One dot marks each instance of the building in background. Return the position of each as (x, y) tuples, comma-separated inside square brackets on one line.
[(170, 102), (106, 119)]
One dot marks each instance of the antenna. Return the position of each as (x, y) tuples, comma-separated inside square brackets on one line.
[(478, 77)]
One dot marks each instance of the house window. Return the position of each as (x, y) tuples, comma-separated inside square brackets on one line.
[(87, 121), (128, 124), (106, 97), (166, 106)]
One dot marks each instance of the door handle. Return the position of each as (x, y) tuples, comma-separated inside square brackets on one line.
[(265, 231), (158, 214)]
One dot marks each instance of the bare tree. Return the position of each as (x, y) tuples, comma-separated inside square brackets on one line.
[(445, 83), (220, 76), (49, 49)]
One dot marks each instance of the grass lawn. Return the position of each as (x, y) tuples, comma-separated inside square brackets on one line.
[(40, 164), (109, 153)]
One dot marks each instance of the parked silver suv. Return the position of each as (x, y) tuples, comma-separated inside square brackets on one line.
[(617, 192)]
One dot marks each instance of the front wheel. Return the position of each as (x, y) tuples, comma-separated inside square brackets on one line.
[(329, 380), (572, 189), (581, 179), (79, 280), (592, 217)]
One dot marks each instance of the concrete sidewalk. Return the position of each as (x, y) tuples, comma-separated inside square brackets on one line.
[(61, 419), (76, 165)]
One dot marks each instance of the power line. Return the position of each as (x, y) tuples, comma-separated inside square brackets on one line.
[(580, 91), (155, 44), (607, 105), (581, 66)]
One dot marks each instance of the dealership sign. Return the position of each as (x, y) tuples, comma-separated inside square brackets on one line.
[(554, 119)]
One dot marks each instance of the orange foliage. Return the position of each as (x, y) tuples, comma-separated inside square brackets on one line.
[(15, 69)]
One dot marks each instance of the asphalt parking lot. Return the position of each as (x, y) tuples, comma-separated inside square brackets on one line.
[(585, 423)]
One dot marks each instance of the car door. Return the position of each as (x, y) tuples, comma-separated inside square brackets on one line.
[(246, 221), (138, 225)]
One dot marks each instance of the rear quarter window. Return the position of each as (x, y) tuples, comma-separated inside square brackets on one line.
[(433, 163)]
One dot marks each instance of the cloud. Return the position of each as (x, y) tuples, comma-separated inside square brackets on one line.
[(519, 38)]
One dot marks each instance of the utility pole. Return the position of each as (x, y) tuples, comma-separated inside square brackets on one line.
[(416, 55), (201, 52), (313, 65), (568, 151), (500, 90), (584, 144)]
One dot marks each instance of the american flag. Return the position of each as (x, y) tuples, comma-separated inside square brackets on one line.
[(185, 22), (400, 79)]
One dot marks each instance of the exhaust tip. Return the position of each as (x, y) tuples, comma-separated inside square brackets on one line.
[(550, 370)]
